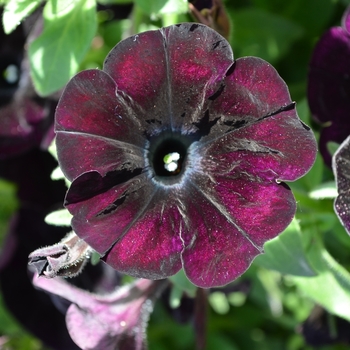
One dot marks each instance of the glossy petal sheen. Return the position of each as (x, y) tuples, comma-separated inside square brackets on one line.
[(341, 168), (242, 137), (329, 85), (169, 73)]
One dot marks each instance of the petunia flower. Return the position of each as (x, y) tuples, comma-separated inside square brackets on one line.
[(329, 85), (341, 160), (177, 155), (115, 321)]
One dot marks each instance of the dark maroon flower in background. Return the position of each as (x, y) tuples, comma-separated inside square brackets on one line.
[(322, 328), (329, 85), (177, 153)]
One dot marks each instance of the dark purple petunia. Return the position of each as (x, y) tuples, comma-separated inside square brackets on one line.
[(176, 153), (341, 169), (329, 85), (321, 329)]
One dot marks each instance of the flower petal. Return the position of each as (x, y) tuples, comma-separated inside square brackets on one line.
[(125, 223), (199, 59), (341, 169), (346, 20), (103, 208), (253, 90), (96, 131), (169, 73), (279, 147), (246, 215), (151, 247), (95, 153)]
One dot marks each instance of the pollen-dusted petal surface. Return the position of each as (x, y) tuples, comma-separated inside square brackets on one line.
[(198, 61), (259, 132), (103, 208), (329, 85), (230, 220), (341, 169), (252, 91), (169, 73), (279, 147), (150, 248), (95, 122), (135, 224)]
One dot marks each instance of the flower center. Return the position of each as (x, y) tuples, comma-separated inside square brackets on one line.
[(167, 155)]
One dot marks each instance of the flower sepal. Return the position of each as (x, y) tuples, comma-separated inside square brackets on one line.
[(66, 258)]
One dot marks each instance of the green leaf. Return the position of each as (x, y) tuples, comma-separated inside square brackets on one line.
[(237, 298), (113, 2), (314, 176), (15, 11), (285, 253), (325, 190), (175, 297), (332, 147), (159, 7), (8, 205), (218, 301), (95, 258), (59, 218), (181, 281), (69, 27), (331, 287), (300, 10), (263, 34)]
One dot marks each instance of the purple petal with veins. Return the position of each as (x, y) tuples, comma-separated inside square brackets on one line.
[(341, 169)]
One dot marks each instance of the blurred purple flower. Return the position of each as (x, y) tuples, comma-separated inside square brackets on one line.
[(115, 321), (329, 85), (30, 307), (37, 195), (177, 153), (322, 328), (26, 120), (341, 169)]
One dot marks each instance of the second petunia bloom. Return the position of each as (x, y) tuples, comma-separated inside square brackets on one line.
[(177, 155)]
